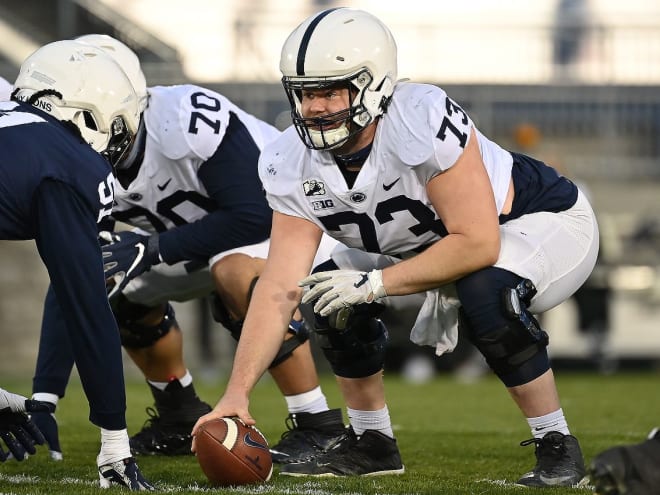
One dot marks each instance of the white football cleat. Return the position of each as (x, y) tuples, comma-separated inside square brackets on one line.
[(124, 473)]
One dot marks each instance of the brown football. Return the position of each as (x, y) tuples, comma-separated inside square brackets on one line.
[(232, 453)]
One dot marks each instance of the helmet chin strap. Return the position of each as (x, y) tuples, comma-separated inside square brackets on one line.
[(330, 138), (136, 150)]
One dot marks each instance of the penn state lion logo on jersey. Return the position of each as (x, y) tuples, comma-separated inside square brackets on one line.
[(313, 187)]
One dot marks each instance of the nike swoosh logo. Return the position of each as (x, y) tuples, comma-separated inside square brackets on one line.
[(250, 442), (138, 257), (364, 279), (544, 427), (162, 187), (559, 480), (387, 187)]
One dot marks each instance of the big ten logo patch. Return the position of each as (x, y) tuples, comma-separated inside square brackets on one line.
[(323, 204)]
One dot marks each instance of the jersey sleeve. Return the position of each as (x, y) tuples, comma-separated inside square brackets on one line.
[(451, 126), (429, 130), (242, 216), (67, 242), (187, 121)]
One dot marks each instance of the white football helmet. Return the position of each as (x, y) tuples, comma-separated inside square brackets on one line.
[(82, 84), (127, 60), (339, 46)]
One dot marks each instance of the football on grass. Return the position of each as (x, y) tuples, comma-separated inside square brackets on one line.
[(232, 453)]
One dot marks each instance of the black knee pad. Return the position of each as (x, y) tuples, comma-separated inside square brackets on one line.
[(353, 340), (300, 336), (221, 315), (297, 329), (516, 351), (136, 335)]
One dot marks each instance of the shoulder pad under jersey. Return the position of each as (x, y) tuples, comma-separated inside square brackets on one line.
[(186, 120), (424, 126), (282, 161)]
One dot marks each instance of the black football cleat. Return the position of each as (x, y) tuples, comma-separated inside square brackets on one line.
[(628, 469), (559, 462), (159, 437), (373, 454), (167, 431), (308, 435)]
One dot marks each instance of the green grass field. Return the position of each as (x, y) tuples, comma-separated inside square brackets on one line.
[(454, 438)]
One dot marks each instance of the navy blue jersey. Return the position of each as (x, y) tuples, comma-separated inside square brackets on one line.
[(33, 152), (54, 188)]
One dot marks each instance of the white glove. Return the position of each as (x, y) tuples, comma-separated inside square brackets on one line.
[(339, 289), (13, 402)]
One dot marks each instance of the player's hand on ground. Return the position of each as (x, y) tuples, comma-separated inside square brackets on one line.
[(337, 289), (17, 431), (127, 255)]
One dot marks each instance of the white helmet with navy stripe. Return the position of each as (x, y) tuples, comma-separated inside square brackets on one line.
[(334, 47)]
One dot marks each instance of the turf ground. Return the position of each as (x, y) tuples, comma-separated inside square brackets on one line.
[(454, 438)]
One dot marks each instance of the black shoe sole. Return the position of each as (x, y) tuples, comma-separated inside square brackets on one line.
[(387, 472)]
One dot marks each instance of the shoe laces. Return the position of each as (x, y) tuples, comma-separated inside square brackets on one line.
[(151, 425), (293, 431), (548, 452)]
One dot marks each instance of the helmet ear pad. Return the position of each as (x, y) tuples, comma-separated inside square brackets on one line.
[(80, 83), (340, 46)]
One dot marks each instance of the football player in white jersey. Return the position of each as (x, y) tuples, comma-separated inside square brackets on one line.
[(399, 172), (190, 190)]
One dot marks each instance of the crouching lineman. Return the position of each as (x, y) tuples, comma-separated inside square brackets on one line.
[(403, 174), (73, 113)]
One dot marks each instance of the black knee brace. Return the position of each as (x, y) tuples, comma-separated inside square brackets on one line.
[(300, 336), (353, 340), (221, 315), (511, 346), (297, 329), (135, 335)]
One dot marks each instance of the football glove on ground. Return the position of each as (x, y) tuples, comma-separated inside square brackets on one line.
[(17, 431), (339, 289), (127, 255)]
